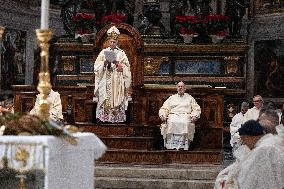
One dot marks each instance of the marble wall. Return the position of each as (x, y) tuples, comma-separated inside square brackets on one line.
[(262, 28), (26, 17)]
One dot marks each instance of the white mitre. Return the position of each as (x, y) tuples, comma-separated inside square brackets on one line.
[(113, 32)]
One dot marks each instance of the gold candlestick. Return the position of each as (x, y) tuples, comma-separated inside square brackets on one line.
[(44, 85)]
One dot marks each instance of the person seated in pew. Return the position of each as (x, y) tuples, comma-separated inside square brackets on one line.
[(179, 114), (55, 110)]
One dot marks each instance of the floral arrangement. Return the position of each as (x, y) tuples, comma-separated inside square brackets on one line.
[(84, 23), (113, 19), (218, 24), (212, 24), (26, 124)]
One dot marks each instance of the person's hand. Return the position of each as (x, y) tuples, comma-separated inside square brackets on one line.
[(163, 118), (106, 63), (119, 67), (115, 62), (193, 119)]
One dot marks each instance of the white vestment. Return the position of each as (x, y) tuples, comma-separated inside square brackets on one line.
[(179, 130), (55, 110), (111, 87), (236, 123), (252, 113), (227, 178), (265, 166), (260, 168)]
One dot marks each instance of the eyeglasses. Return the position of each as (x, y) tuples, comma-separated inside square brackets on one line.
[(257, 101)]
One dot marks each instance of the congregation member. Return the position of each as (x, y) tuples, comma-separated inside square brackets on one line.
[(236, 123), (179, 114), (253, 112), (112, 81), (55, 110)]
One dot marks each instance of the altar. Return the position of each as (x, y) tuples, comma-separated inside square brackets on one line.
[(49, 162)]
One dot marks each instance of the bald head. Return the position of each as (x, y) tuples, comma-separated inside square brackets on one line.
[(180, 88)]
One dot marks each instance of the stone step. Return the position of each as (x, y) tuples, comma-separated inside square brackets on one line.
[(104, 130), (203, 138), (155, 176), (136, 183), (161, 156), (162, 172)]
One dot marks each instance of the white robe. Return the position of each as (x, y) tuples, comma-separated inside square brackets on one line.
[(111, 87), (55, 110), (236, 123), (260, 168), (227, 178), (265, 166), (252, 113), (178, 111)]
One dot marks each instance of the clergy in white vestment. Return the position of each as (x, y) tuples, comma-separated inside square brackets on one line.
[(253, 113), (112, 81), (55, 110), (250, 133), (236, 123), (179, 114), (265, 166)]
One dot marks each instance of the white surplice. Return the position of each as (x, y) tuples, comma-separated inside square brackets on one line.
[(265, 166), (236, 123), (252, 113)]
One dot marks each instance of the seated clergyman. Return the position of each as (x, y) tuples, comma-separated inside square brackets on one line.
[(179, 114), (55, 110)]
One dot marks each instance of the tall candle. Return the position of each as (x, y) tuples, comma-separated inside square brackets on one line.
[(44, 14)]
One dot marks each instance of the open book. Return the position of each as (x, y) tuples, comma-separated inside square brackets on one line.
[(110, 56)]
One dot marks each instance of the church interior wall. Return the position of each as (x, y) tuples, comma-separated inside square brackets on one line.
[(268, 31), (26, 18)]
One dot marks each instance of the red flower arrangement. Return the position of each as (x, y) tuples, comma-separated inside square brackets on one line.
[(218, 25), (212, 24), (113, 19), (84, 23)]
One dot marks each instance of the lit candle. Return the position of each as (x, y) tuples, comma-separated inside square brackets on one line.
[(44, 14)]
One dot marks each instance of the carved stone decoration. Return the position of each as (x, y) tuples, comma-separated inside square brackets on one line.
[(153, 14), (267, 7), (69, 8), (68, 64), (231, 110), (79, 110), (231, 64), (152, 65)]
